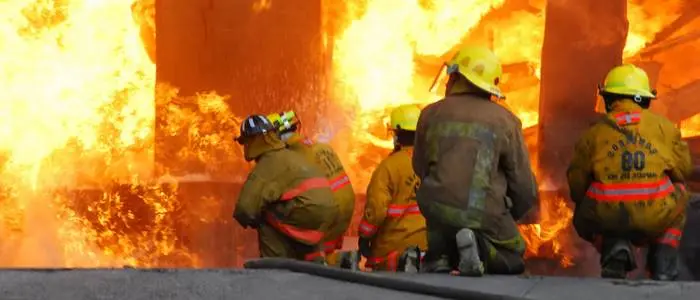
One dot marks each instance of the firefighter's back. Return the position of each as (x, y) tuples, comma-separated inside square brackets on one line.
[(463, 141), (307, 201), (404, 225), (632, 162)]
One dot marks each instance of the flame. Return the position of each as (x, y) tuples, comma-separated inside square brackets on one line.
[(77, 138), (646, 18)]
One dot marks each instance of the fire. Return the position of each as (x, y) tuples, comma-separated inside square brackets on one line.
[(77, 137)]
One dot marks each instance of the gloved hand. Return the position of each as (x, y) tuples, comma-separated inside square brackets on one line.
[(363, 245), (246, 220)]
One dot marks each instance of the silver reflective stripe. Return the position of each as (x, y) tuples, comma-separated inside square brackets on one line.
[(631, 191), (366, 228), (340, 181)]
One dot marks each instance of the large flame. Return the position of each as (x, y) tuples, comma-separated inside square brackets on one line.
[(77, 137)]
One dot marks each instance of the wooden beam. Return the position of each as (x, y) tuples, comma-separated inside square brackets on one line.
[(683, 102), (691, 11), (667, 45)]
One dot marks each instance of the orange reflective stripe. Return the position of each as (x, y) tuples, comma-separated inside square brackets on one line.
[(367, 229), (681, 187), (391, 260), (399, 210), (339, 182), (630, 191), (313, 255), (306, 235), (671, 237), (308, 184), (331, 246), (628, 118)]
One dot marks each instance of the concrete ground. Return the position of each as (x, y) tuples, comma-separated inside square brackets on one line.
[(278, 284)]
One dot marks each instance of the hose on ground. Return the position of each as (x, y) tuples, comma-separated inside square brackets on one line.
[(377, 280)]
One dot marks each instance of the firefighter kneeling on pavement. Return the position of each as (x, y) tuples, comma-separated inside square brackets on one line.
[(476, 180), (325, 158), (392, 231), (285, 197), (627, 180)]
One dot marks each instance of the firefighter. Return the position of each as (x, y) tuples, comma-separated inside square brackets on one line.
[(476, 180), (392, 231), (287, 199), (323, 156), (627, 179)]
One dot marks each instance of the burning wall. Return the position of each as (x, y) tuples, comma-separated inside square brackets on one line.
[(79, 113)]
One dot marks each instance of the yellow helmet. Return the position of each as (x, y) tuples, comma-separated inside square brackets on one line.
[(628, 80), (405, 117), (480, 66), (284, 121)]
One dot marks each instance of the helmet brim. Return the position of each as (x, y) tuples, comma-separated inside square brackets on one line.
[(627, 92), (483, 85)]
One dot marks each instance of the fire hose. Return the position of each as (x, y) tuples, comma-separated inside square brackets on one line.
[(376, 280)]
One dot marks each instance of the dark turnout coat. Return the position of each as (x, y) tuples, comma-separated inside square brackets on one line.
[(474, 167)]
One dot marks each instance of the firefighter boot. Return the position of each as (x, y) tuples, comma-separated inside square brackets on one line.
[(617, 258), (350, 260), (470, 263), (663, 262), (409, 261)]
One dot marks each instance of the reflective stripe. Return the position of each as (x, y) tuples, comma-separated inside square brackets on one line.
[(308, 184), (391, 260), (367, 229), (628, 118), (339, 182), (399, 210), (671, 237), (309, 236), (630, 191), (313, 255), (331, 246)]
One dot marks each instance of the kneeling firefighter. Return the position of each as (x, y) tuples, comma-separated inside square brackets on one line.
[(392, 231), (627, 179), (325, 158), (476, 180), (286, 198)]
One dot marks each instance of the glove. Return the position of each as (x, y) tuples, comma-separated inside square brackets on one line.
[(363, 245), (246, 221)]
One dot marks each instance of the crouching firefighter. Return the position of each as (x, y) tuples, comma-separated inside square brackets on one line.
[(325, 158), (392, 231), (286, 198), (627, 180), (476, 180)]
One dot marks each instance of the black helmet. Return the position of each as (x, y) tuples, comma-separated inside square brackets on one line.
[(254, 125)]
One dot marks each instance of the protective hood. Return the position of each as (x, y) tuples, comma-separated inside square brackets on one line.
[(261, 144)]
